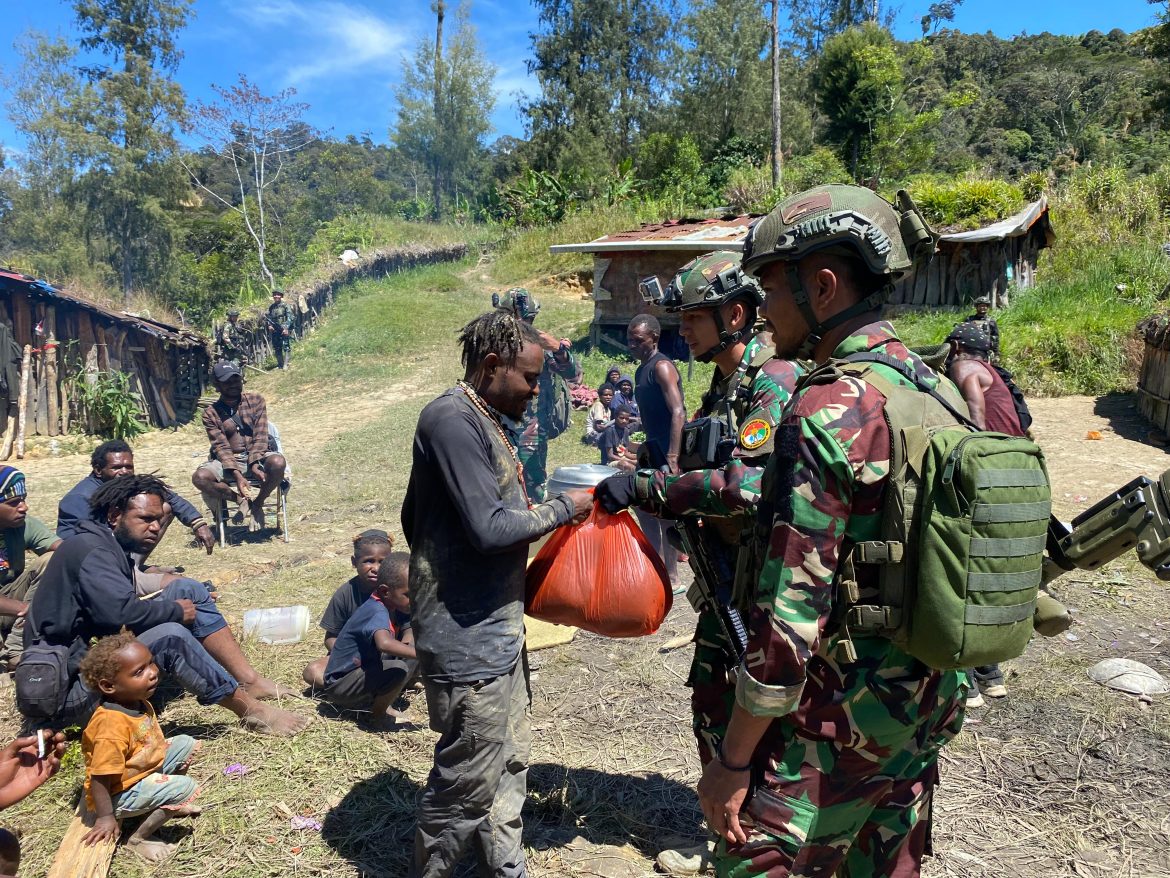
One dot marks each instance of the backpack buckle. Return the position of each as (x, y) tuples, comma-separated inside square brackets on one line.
[(878, 552), (867, 617)]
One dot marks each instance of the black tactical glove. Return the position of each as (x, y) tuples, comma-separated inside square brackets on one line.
[(616, 492)]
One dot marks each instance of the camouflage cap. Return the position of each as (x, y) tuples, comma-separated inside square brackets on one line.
[(982, 300), (888, 238), (518, 300), (234, 312), (709, 281), (971, 337)]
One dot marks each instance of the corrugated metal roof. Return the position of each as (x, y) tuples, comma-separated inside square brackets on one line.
[(712, 234), (728, 234), (11, 281)]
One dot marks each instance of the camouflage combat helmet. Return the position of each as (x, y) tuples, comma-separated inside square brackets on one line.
[(518, 300), (888, 239), (982, 300), (708, 282)]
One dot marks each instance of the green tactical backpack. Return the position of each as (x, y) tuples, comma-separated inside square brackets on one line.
[(964, 529), (560, 408)]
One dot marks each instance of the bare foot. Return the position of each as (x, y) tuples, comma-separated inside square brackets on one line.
[(263, 689), (273, 721), (256, 522), (151, 849)]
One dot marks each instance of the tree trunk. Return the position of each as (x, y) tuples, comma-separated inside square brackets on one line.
[(436, 165), (777, 158)]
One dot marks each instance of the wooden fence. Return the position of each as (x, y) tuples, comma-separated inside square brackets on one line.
[(309, 301), (1154, 377)]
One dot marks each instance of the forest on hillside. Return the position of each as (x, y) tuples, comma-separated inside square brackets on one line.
[(127, 189)]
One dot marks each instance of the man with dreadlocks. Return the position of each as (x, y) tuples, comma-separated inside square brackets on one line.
[(469, 523), (87, 591)]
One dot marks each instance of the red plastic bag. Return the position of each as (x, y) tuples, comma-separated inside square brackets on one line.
[(601, 575)]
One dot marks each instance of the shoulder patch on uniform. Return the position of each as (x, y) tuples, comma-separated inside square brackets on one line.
[(755, 433)]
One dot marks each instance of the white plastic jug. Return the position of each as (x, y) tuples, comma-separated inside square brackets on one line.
[(277, 624)]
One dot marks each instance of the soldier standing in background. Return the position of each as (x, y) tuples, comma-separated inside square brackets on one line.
[(280, 324), (830, 756), (986, 324), (231, 339), (724, 450), (547, 414)]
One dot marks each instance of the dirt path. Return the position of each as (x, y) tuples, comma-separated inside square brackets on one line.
[(1063, 778)]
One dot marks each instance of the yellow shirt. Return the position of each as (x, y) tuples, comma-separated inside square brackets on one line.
[(122, 741)]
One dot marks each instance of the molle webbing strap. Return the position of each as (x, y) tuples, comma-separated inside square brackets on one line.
[(905, 370), (1021, 581), (1007, 547), (1013, 513), (977, 615), (1011, 478)]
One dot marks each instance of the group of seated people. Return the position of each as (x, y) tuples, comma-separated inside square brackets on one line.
[(88, 600), (616, 392)]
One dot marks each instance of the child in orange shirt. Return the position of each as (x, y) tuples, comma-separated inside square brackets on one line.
[(130, 768)]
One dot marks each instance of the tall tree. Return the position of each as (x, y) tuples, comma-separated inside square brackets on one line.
[(447, 139), (777, 152), (436, 171), (721, 75), (601, 65), (131, 175), (257, 135)]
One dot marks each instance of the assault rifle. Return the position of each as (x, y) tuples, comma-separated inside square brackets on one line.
[(1136, 516), (715, 580)]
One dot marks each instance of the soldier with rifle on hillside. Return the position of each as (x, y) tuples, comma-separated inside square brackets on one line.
[(230, 339), (724, 450), (279, 318)]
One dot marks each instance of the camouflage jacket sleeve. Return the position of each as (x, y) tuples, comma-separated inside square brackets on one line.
[(735, 487), (825, 485)]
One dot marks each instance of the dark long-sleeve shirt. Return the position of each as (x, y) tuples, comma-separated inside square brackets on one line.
[(253, 412), (74, 508), (87, 590), (468, 525)]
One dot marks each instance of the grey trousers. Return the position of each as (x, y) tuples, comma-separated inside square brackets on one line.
[(479, 781)]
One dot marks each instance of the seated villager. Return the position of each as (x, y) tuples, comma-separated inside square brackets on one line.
[(131, 768), (370, 549), (87, 591), (237, 425), (19, 575), (599, 416), (373, 658)]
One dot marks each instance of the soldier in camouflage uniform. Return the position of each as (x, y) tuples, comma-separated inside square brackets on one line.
[(748, 390), (986, 324), (280, 325), (537, 427), (829, 759), (231, 339)]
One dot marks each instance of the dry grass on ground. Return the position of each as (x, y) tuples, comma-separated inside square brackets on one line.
[(1063, 778)]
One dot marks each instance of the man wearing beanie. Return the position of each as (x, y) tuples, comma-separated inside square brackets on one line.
[(19, 532)]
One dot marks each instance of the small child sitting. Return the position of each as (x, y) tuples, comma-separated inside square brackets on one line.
[(370, 549), (599, 417), (130, 768), (373, 658), (613, 441)]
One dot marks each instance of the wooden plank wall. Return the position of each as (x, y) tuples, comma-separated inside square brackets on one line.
[(91, 342), (1154, 387)]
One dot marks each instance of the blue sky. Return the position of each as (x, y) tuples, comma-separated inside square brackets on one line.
[(345, 56)]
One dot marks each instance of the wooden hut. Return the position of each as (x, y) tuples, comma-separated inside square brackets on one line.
[(983, 262), (1154, 378), (67, 337)]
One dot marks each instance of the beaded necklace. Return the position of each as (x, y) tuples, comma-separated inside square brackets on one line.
[(482, 407)]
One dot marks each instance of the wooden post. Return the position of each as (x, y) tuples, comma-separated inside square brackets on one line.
[(22, 411), (50, 360), (9, 435)]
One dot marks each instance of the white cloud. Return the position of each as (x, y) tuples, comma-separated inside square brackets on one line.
[(327, 39), (514, 80)]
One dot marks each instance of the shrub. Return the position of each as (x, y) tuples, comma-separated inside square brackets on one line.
[(966, 204)]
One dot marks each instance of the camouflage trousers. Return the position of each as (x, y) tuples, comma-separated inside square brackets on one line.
[(712, 684), (851, 800), (534, 459)]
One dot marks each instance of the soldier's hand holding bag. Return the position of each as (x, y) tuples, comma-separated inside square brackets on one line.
[(601, 575)]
